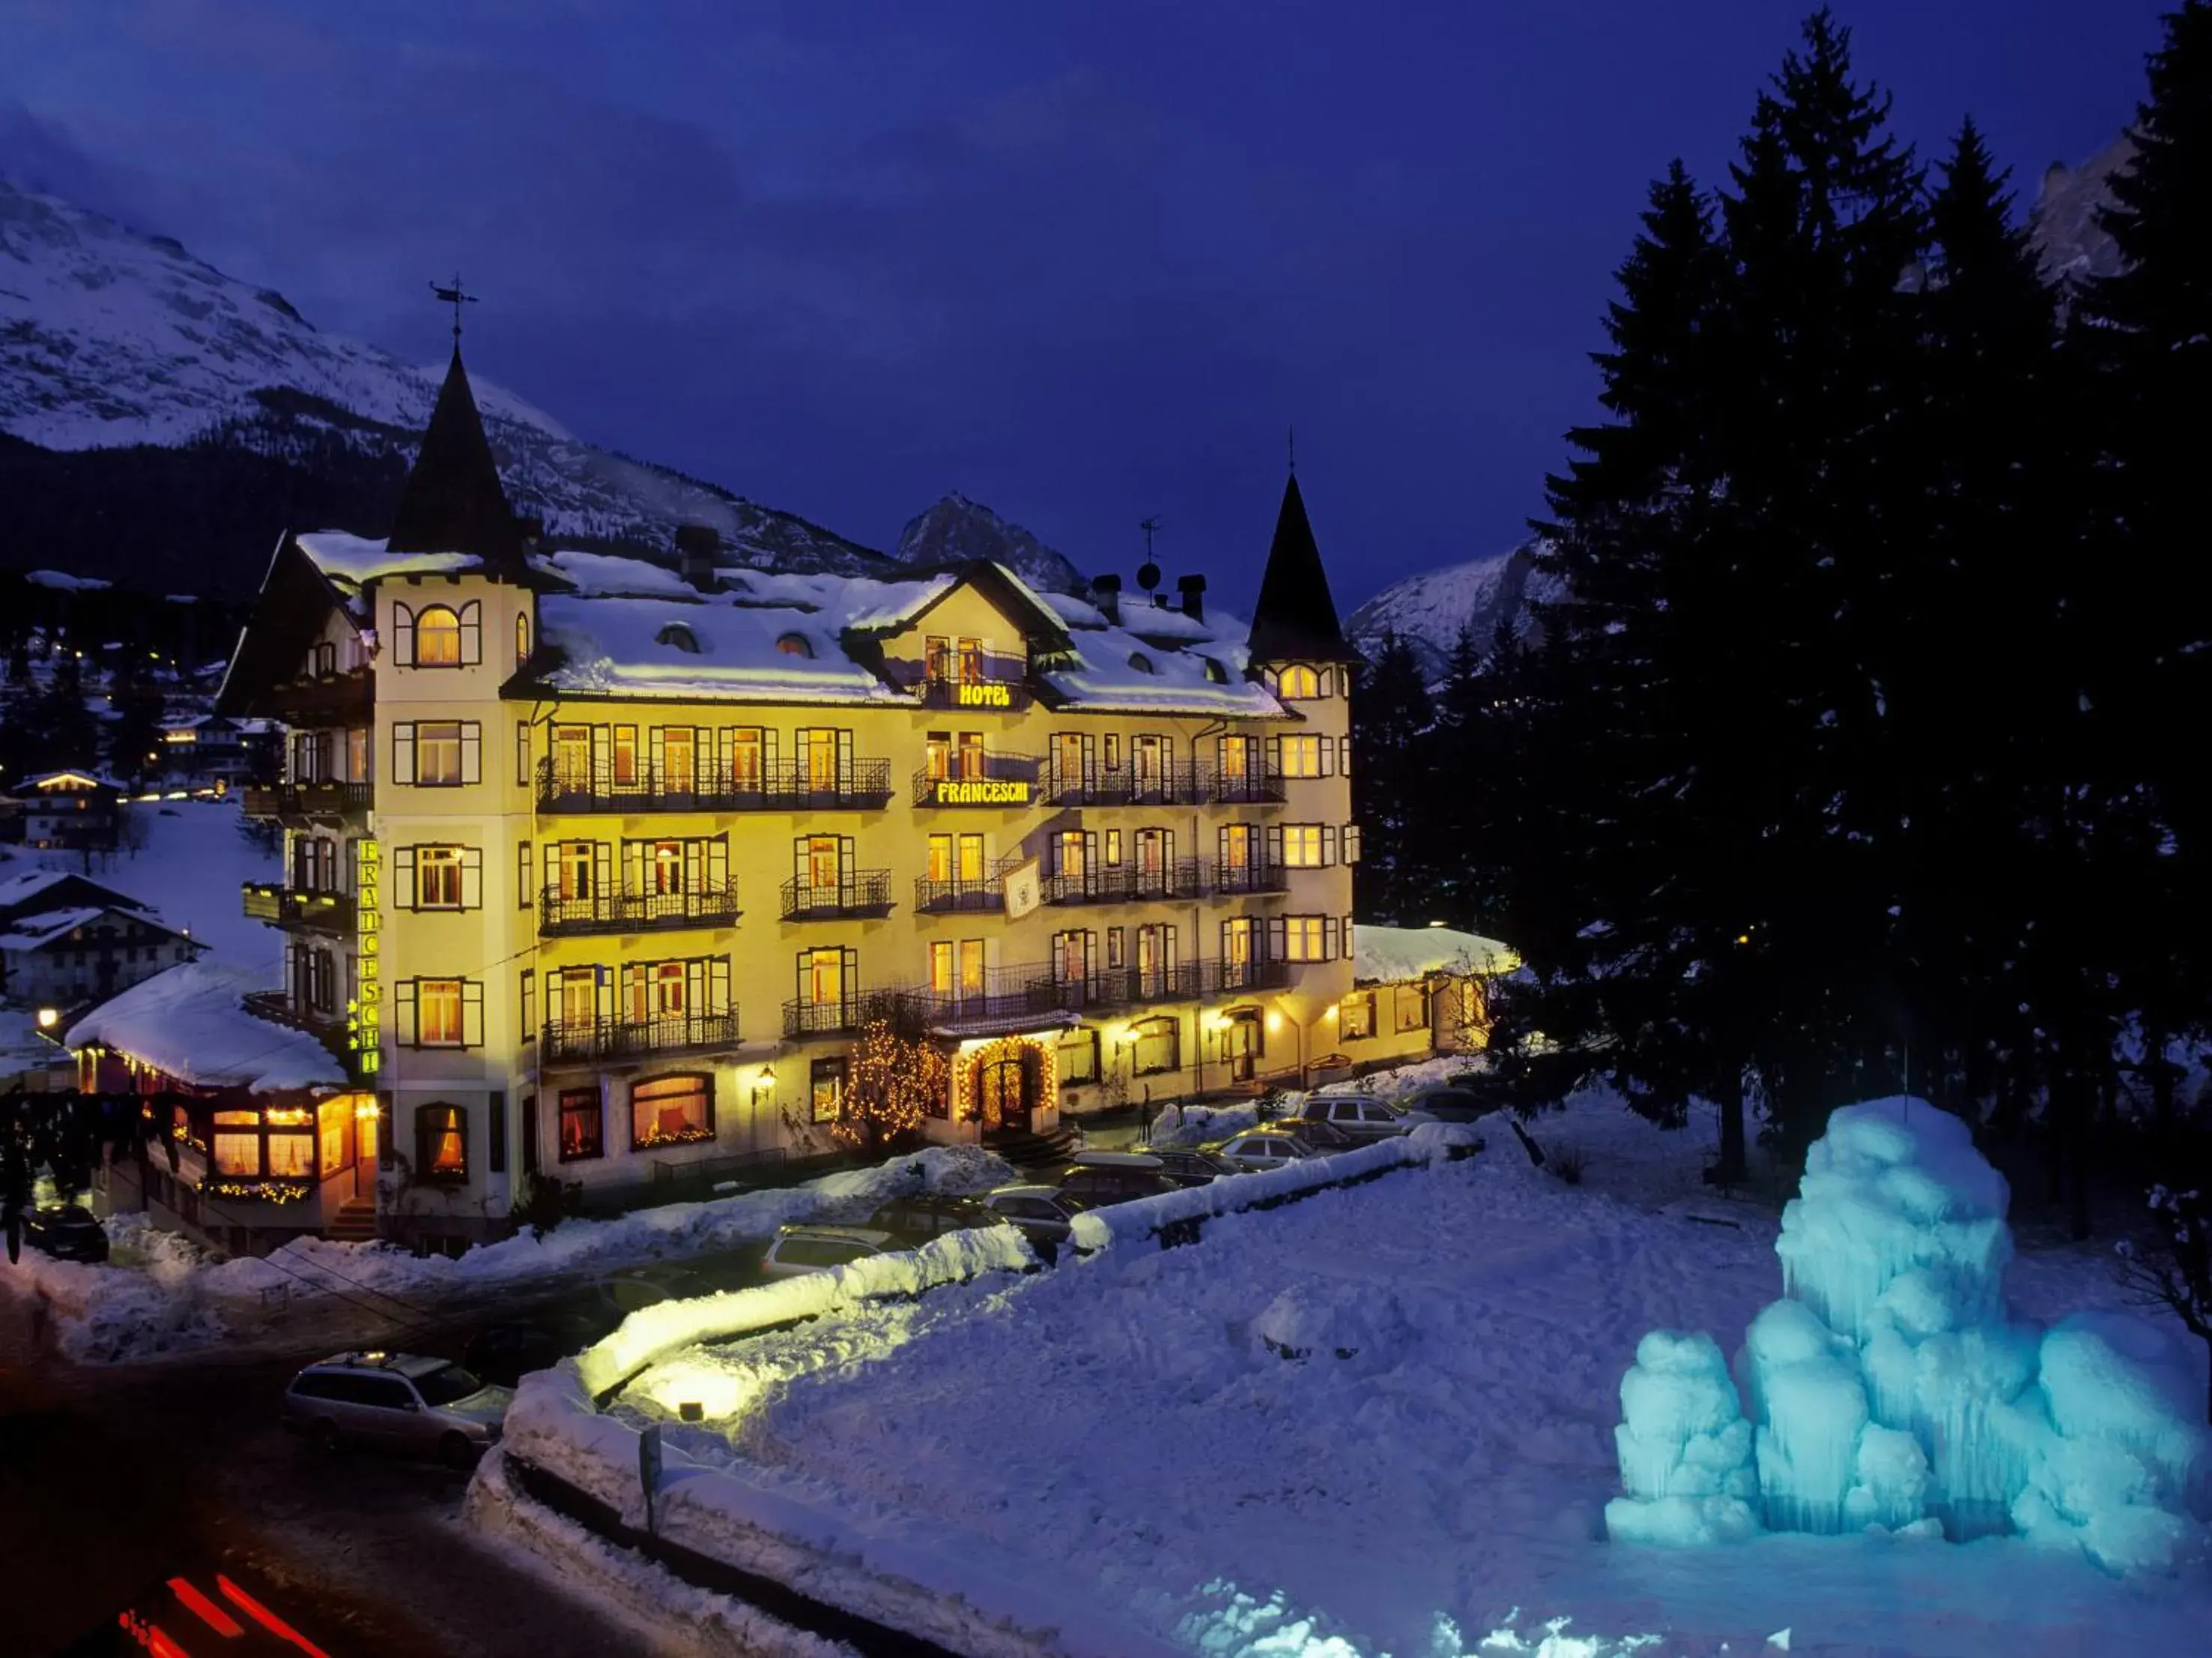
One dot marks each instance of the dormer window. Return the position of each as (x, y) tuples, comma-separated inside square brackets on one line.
[(1215, 673), (1298, 683), (1141, 662), (680, 636), (795, 644)]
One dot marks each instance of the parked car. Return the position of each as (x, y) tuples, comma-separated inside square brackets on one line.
[(1098, 1178), (1261, 1147), (917, 1219), (1449, 1104), (1045, 1214), (799, 1250), (401, 1402), (1187, 1165), (1362, 1116), (503, 1354), (1323, 1135), (67, 1232)]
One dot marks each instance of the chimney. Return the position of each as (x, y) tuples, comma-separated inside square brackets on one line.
[(1106, 593), (1193, 588), (697, 548)]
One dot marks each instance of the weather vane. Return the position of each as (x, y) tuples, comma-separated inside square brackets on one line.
[(454, 297), (1294, 448)]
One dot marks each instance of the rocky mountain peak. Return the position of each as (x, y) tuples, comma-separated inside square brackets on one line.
[(957, 529)]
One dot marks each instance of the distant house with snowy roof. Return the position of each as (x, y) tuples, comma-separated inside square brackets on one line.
[(600, 866), (76, 809), (67, 939)]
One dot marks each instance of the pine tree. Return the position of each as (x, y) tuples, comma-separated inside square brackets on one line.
[(1390, 716)]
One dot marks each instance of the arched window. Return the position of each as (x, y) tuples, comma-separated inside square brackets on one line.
[(680, 636), (438, 637), (667, 1111), (1298, 683), (442, 1142), (795, 644), (521, 638), (1215, 672)]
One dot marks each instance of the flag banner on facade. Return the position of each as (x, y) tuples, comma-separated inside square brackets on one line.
[(1025, 888)]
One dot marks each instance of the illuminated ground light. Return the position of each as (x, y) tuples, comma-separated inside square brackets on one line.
[(718, 1393)]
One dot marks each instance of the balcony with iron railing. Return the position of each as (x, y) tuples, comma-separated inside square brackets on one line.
[(634, 912), (1230, 880), (1127, 883), (1233, 978), (321, 700), (842, 1015), (793, 785), (1166, 783), (617, 1037), (861, 894), (308, 800), (988, 683), (991, 779), (280, 905), (949, 897), (1257, 785)]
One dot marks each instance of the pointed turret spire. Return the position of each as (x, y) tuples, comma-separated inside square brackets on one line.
[(453, 500), (1295, 619)]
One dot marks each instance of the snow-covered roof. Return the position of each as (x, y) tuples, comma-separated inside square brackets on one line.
[(191, 1022), (642, 646), (606, 575), (1385, 955), (80, 778), (1117, 670), (15, 891), (34, 932), (62, 582), (351, 562)]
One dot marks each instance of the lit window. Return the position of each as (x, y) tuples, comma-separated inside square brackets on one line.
[(438, 638), (940, 967), (940, 858), (438, 753), (1078, 1057), (1298, 683), (672, 1110), (826, 1089), (793, 645), (437, 877), (237, 1142), (583, 1127), (1303, 939), (1412, 1007), (1355, 1016), (1301, 757), (437, 1012), (292, 1155), (1302, 846), (971, 857), (442, 1141), (521, 640), (1159, 1047)]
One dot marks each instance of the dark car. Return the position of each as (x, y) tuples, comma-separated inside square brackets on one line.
[(1187, 1165), (503, 1354), (1098, 1178), (67, 1232), (1450, 1104), (917, 1219), (1322, 1135)]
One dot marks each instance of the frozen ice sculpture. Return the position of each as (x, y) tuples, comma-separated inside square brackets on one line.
[(1890, 1389)]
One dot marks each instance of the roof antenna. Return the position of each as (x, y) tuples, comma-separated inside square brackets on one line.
[(1294, 451), (454, 297), (1148, 573)]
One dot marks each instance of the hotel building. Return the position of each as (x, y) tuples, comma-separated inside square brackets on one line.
[(596, 867)]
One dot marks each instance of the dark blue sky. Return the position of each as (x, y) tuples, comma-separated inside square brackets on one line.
[(1082, 262)]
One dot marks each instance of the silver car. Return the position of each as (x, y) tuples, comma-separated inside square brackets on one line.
[(1362, 1116), (799, 1250), (1044, 1213), (399, 1402), (1262, 1149)]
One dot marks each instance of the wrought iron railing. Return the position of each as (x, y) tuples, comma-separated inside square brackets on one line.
[(944, 897), (307, 800), (863, 893), (804, 1016), (1260, 784), (1164, 782), (996, 684), (619, 1039), (323, 699), (1255, 876), (293, 906), (635, 912), (1227, 977), (711, 786), (1127, 883)]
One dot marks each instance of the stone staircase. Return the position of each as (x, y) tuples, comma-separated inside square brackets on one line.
[(355, 1223), (1035, 1153)]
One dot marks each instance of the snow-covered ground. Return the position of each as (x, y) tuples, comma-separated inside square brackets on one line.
[(159, 1295), (1428, 1478)]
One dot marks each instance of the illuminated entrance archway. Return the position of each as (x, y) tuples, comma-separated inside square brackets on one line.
[(1008, 1081)]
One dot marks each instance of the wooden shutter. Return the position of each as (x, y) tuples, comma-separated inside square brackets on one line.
[(550, 863), (402, 878), (472, 1034), (602, 756), (1274, 846), (402, 752), (1344, 755), (1328, 746), (603, 993), (522, 874), (522, 751), (694, 986), (718, 983), (471, 752), (527, 1007), (655, 747), (718, 864), (632, 871), (1274, 753), (1328, 844), (495, 1122), (403, 1013), (1278, 942), (603, 870), (471, 634), (799, 871), (844, 860), (472, 877), (403, 636)]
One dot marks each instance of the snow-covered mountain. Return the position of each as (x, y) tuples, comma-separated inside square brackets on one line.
[(1429, 610), (2063, 227), (115, 345), (956, 527)]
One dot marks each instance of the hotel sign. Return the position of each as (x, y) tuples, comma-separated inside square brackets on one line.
[(983, 791), (365, 1013), (985, 693)]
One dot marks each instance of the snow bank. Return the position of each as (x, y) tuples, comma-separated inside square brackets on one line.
[(1892, 1390)]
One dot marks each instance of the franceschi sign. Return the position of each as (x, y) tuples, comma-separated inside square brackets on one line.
[(365, 1012), (983, 791)]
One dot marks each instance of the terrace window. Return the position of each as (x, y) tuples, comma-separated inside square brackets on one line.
[(442, 1141), (583, 1125), (672, 1110)]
